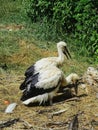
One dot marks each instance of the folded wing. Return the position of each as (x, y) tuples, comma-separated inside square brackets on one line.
[(41, 83)]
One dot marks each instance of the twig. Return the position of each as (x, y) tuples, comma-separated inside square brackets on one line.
[(40, 128), (26, 124), (9, 123), (59, 112), (71, 99), (74, 123), (61, 128), (57, 123), (93, 122), (44, 111)]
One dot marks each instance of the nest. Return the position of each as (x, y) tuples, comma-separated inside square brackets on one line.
[(90, 79)]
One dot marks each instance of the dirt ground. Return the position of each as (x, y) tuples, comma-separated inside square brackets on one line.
[(56, 117)]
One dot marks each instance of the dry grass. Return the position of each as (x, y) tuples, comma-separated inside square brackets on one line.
[(40, 117), (29, 53)]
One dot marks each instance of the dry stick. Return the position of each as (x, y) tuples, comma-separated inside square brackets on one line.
[(9, 123), (41, 128), (56, 123), (71, 99), (74, 123), (26, 124), (59, 112), (60, 125), (44, 110), (30, 127), (61, 128)]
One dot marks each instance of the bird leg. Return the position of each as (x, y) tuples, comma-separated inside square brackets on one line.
[(50, 102)]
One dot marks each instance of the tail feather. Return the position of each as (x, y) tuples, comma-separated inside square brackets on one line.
[(32, 91)]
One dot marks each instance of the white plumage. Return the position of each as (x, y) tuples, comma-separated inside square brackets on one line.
[(50, 61), (46, 87), (44, 78), (71, 81), (72, 78)]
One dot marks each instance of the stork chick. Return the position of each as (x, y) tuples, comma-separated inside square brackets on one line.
[(72, 80), (43, 79)]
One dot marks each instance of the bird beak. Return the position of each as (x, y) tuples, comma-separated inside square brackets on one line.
[(66, 52)]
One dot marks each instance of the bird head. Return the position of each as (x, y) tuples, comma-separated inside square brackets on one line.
[(63, 46), (74, 78)]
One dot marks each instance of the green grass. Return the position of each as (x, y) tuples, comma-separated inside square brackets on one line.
[(12, 15), (19, 48)]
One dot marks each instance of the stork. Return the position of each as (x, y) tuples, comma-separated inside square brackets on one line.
[(72, 78), (72, 81), (43, 79)]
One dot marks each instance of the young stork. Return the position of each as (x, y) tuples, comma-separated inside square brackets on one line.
[(43, 78), (72, 81)]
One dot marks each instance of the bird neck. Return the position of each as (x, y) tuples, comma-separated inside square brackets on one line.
[(61, 57)]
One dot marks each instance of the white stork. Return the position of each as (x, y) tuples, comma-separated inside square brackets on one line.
[(72, 78), (72, 81), (43, 78)]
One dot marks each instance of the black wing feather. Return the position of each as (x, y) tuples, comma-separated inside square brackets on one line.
[(33, 79), (31, 91), (29, 85), (22, 86), (35, 92), (30, 71)]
